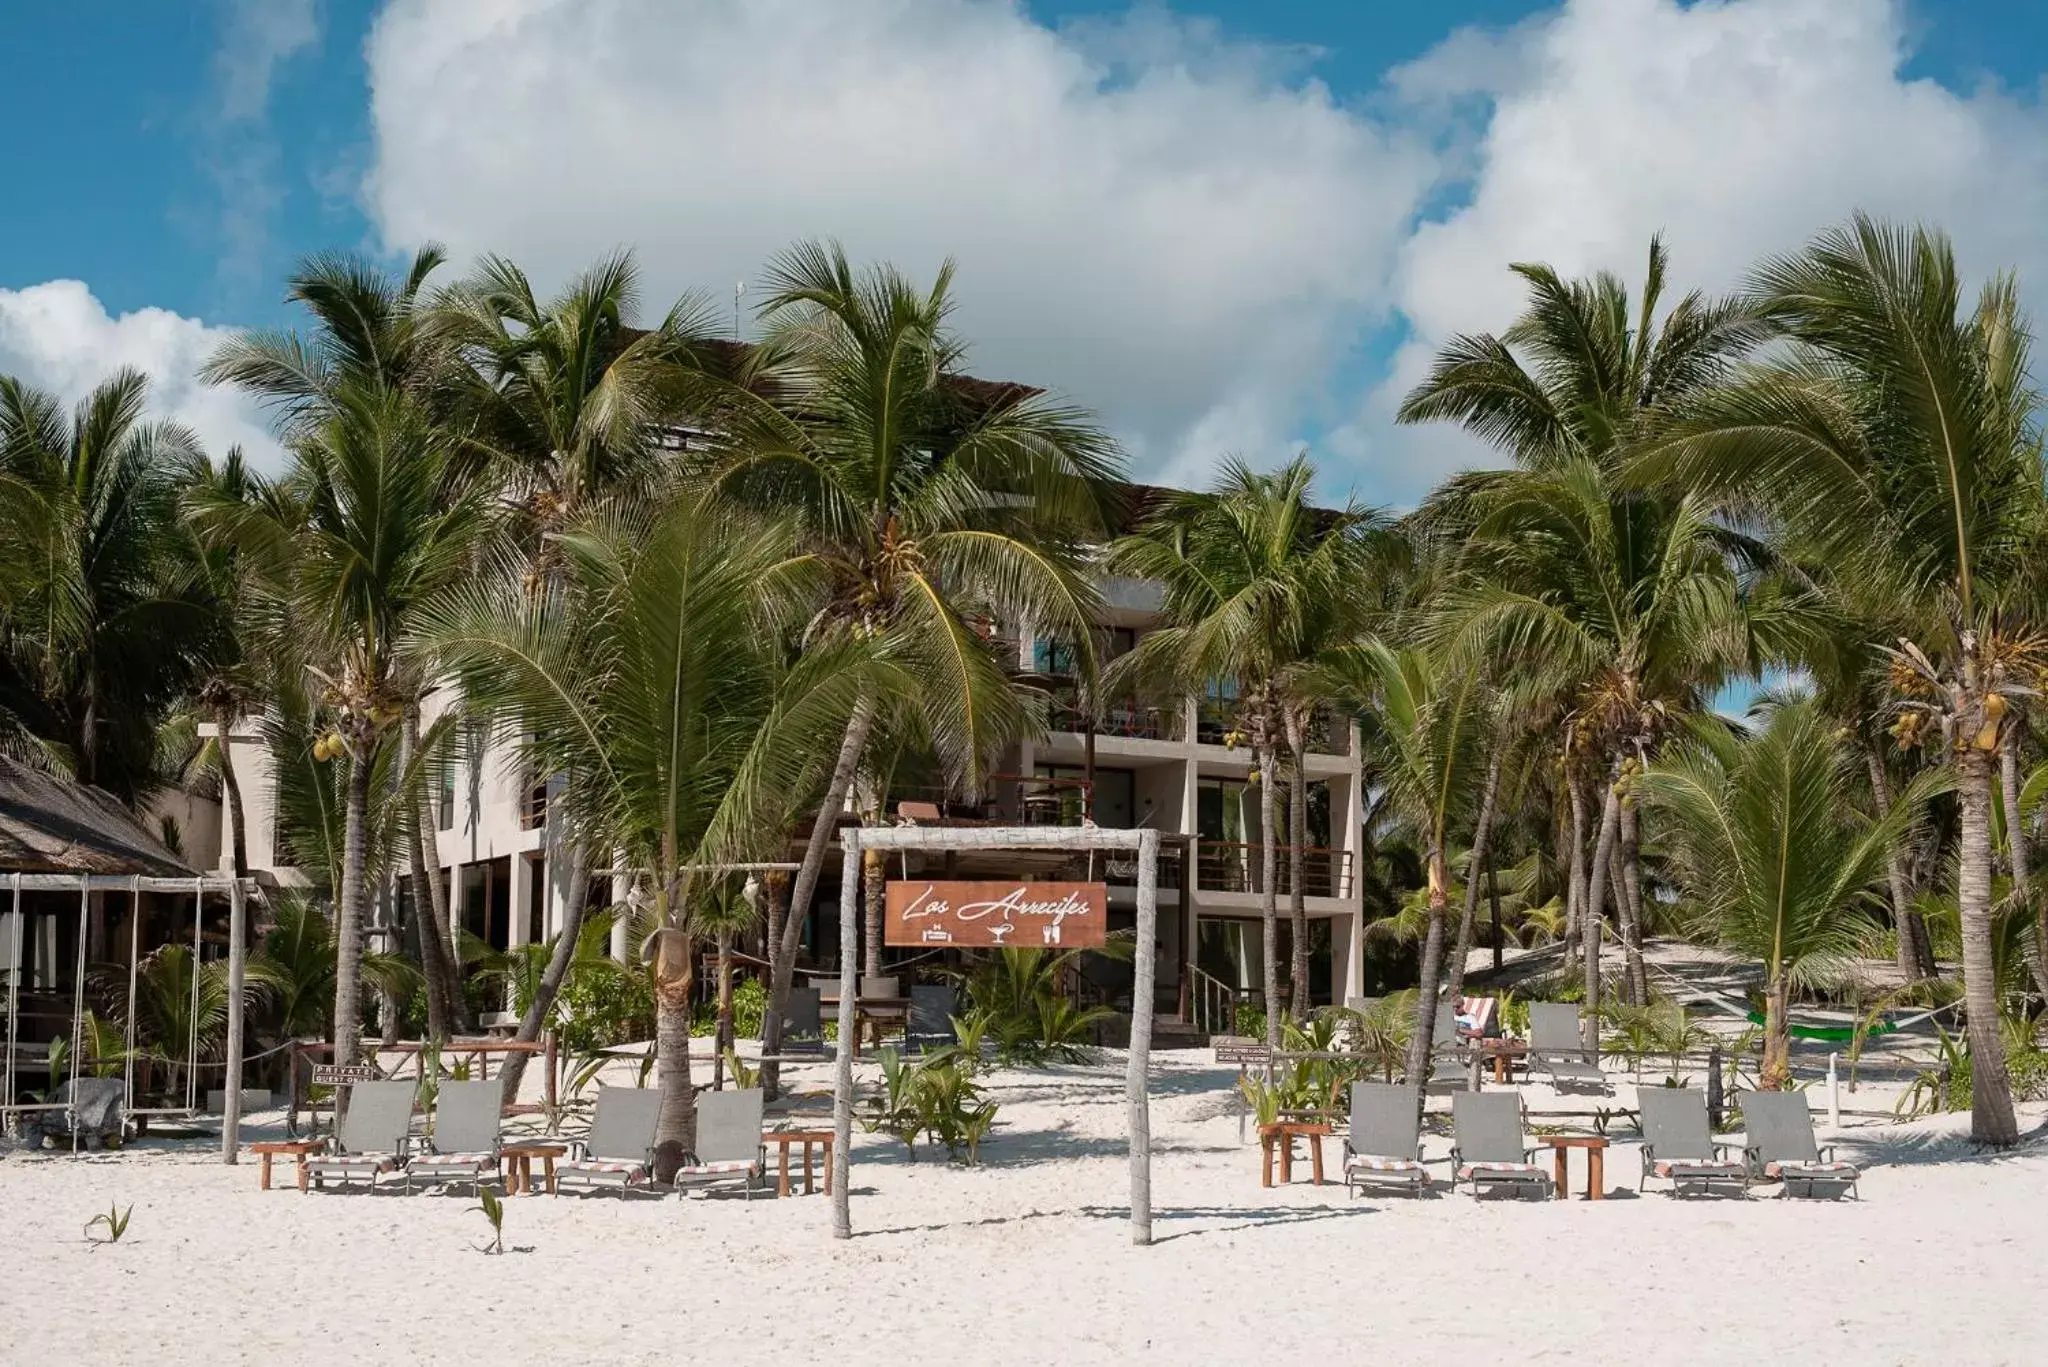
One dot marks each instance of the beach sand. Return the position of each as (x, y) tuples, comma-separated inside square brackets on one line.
[(1027, 1259)]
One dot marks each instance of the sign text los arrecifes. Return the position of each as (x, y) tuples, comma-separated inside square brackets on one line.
[(981, 915)]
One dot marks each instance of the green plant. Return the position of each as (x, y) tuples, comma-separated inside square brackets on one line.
[(598, 1010), (494, 1212), (115, 1221), (936, 1098), (1248, 1020), (743, 1076), (1016, 1002), (1947, 1086)]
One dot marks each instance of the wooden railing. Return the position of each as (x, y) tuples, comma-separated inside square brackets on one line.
[(1233, 866)]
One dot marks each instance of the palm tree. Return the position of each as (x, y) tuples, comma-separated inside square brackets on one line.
[(389, 529), (1628, 606), (564, 403), (650, 670), (1259, 586), (1434, 721), (1580, 375), (373, 333), (103, 625), (1767, 839), (1896, 436), (925, 501)]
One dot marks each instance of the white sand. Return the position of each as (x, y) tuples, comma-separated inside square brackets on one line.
[(1027, 1260)]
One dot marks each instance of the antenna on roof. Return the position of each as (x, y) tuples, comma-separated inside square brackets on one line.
[(739, 288)]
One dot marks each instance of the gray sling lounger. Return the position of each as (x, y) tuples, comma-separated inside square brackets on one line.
[(1489, 1148), (1781, 1145), (1678, 1146), (1556, 1049), (465, 1138), (371, 1139), (1384, 1147), (728, 1142), (619, 1150)]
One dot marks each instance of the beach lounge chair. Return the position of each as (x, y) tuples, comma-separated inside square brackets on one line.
[(1384, 1147), (619, 1150), (1485, 1011), (1556, 1049), (1488, 1148), (729, 1147), (1678, 1145), (931, 1015), (372, 1137), (1450, 1064), (465, 1138), (1781, 1146), (803, 1029)]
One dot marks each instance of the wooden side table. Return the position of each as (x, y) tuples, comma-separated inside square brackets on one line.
[(297, 1149), (1281, 1135), (808, 1138), (1596, 1163), (516, 1160)]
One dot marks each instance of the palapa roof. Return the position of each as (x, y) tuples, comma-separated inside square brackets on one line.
[(53, 825)]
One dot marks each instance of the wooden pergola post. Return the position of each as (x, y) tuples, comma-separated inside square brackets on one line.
[(1145, 842)]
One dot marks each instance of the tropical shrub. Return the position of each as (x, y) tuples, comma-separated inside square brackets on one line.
[(598, 1010), (937, 1098), (1015, 1000)]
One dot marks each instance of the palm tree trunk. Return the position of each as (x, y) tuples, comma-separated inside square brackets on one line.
[(1420, 1038), (433, 965), (1575, 862), (782, 933), (1297, 858), (541, 1009), (1269, 901), (223, 726), (1916, 950), (348, 912), (855, 740), (874, 873), (444, 967), (1628, 860), (1493, 899), (678, 1115), (1482, 832), (2016, 848), (1596, 889), (1991, 1114), (722, 1039), (1776, 1074)]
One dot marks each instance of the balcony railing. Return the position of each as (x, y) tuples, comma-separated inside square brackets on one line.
[(1231, 866), (1129, 718)]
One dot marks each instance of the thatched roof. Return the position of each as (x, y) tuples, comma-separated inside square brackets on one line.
[(52, 825)]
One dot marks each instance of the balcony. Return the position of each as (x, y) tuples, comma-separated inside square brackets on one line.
[(1231, 866), (1329, 733), (1126, 717)]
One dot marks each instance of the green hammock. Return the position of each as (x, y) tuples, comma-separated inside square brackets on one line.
[(1830, 1034)]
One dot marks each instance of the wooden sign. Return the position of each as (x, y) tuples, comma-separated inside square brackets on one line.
[(342, 1074), (1240, 1049), (992, 915)]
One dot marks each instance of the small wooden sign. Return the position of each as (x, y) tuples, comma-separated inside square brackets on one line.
[(1240, 1049), (992, 915), (342, 1074)]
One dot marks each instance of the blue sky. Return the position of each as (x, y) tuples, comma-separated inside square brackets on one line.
[(1228, 226)]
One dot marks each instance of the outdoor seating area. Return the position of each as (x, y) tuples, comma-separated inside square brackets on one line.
[(1496, 1144)]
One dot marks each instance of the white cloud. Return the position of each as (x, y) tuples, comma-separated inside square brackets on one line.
[(1739, 129), (1179, 231), (242, 157), (58, 337)]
